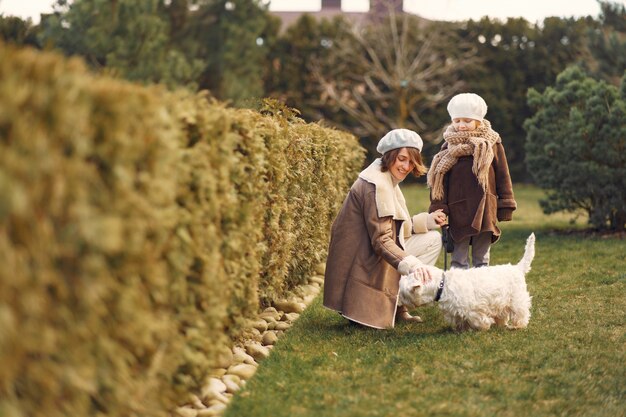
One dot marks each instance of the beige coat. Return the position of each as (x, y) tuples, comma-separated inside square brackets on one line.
[(366, 250)]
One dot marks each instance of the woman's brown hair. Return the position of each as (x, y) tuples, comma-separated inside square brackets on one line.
[(415, 157)]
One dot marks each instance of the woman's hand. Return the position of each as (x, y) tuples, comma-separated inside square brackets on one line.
[(439, 217), (423, 274)]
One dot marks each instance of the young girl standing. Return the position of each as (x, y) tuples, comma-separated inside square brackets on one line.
[(470, 181)]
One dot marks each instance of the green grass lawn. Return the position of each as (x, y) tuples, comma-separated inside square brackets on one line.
[(570, 360)]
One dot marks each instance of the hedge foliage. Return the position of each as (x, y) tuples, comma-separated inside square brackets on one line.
[(139, 228)]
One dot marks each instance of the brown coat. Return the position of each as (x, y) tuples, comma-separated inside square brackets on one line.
[(470, 209), (361, 280)]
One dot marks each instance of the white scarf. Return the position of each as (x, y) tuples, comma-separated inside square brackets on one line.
[(389, 198)]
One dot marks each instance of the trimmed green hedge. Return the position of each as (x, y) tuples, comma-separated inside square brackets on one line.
[(139, 228)]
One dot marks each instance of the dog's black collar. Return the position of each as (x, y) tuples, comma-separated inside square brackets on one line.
[(440, 289)]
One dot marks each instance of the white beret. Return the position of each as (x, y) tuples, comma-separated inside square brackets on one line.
[(467, 105), (399, 138)]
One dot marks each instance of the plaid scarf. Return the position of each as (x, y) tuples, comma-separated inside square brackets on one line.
[(478, 143)]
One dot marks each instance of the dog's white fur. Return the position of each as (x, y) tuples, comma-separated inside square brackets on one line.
[(476, 298)]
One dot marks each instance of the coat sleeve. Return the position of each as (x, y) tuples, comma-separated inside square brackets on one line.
[(382, 239), (423, 222), (443, 202), (504, 186)]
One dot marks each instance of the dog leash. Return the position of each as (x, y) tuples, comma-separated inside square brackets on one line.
[(445, 239)]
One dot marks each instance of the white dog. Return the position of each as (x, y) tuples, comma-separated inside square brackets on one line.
[(476, 298)]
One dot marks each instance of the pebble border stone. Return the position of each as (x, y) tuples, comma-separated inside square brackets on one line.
[(240, 364)]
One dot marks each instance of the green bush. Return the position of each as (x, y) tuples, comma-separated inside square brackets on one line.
[(139, 228), (575, 147)]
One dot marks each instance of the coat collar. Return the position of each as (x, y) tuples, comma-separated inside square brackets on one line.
[(389, 198)]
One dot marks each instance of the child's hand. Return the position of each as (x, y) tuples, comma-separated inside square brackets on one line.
[(440, 217)]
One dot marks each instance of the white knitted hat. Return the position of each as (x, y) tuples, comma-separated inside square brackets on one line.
[(399, 138), (467, 105)]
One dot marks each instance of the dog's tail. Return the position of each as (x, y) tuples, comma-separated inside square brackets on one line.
[(529, 254)]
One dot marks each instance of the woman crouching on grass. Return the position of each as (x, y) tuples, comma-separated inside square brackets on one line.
[(374, 239)]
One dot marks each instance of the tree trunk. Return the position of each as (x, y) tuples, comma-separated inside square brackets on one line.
[(618, 220)]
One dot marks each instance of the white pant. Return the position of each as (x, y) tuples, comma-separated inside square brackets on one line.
[(424, 246)]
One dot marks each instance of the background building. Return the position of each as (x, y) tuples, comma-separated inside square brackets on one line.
[(332, 8)]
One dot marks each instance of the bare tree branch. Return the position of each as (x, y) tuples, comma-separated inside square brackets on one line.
[(388, 72)]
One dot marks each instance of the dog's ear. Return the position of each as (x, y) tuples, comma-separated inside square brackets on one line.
[(414, 288)]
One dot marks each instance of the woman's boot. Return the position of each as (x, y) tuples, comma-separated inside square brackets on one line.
[(402, 313)]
